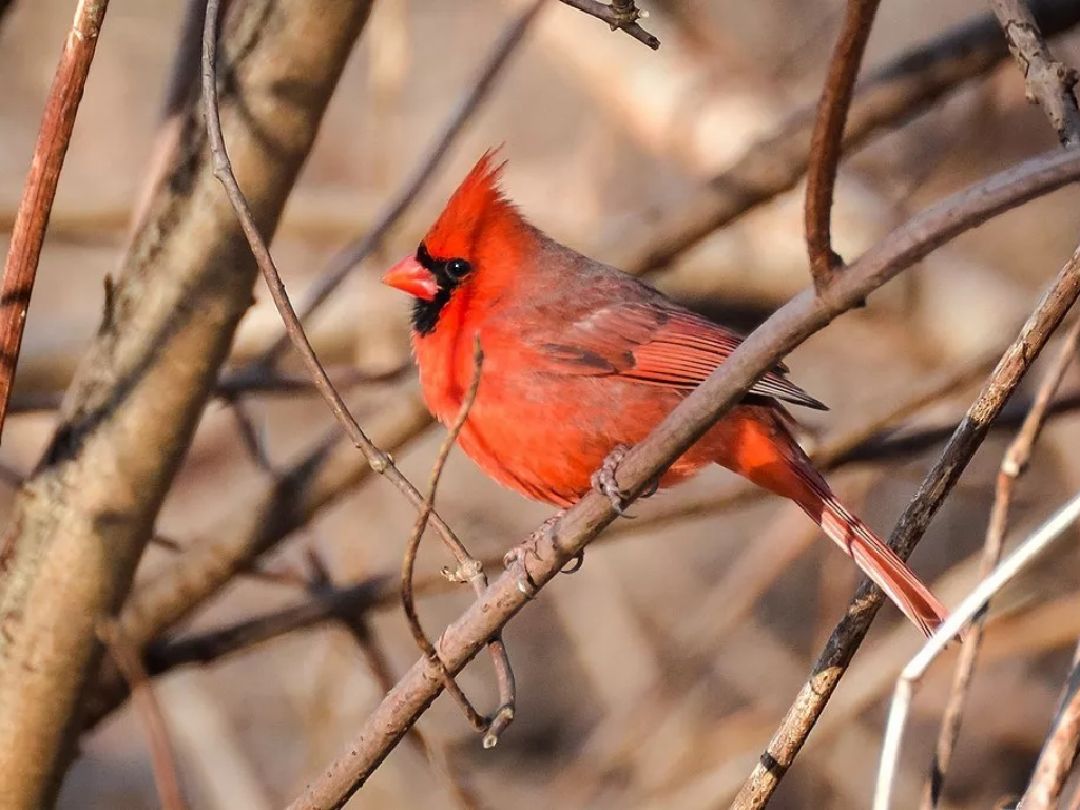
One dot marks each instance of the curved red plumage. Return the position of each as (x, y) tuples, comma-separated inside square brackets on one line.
[(580, 358)]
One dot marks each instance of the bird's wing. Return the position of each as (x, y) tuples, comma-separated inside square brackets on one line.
[(657, 346)]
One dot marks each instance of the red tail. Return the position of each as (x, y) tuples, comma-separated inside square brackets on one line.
[(880, 563), (765, 452)]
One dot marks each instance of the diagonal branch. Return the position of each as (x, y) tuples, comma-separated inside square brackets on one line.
[(621, 15), (828, 135), (1013, 464), (545, 554), (1049, 83), (908, 85), (835, 658), (28, 234)]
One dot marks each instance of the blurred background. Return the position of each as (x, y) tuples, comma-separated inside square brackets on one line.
[(654, 677)]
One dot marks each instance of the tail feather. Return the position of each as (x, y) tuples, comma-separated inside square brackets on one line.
[(882, 565)]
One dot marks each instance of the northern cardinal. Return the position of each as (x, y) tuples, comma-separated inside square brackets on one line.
[(581, 359)]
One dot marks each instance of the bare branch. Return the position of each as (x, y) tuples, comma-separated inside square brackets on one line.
[(162, 756), (1048, 81), (28, 234), (906, 86), (835, 658), (1013, 464), (828, 134), (621, 15), (972, 605), (1059, 752), (545, 554)]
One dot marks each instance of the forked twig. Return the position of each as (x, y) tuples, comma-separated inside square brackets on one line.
[(1013, 464), (972, 605), (1059, 751), (379, 461), (28, 234), (162, 756), (828, 135)]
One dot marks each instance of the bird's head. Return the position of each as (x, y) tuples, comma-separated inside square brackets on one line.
[(473, 248)]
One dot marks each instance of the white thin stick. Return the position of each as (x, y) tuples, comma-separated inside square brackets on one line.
[(970, 607)]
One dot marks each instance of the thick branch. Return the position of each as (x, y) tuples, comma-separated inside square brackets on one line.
[(908, 85), (545, 555), (1048, 81), (82, 520), (826, 140), (28, 234)]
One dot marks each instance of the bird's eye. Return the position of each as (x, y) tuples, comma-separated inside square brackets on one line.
[(458, 268)]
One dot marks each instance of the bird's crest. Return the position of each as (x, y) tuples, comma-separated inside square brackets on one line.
[(477, 209)]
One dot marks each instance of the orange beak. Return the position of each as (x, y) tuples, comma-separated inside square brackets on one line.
[(411, 277)]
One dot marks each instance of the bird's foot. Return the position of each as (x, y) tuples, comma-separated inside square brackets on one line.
[(516, 559), (466, 572), (604, 482)]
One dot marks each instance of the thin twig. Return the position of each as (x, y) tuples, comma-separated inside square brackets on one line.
[(1060, 749), (546, 552), (1013, 464), (162, 756), (28, 234), (835, 658), (972, 605), (408, 562), (1048, 82), (908, 85), (359, 627), (353, 254), (622, 15), (378, 460), (828, 135)]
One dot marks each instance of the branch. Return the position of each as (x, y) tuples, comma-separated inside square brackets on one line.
[(621, 15), (1013, 464), (835, 658), (828, 134), (904, 87), (972, 605), (28, 234), (1059, 751), (162, 756), (1048, 81), (353, 254), (547, 552), (184, 285)]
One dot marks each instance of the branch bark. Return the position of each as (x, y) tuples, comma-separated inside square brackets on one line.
[(28, 234), (906, 86), (1049, 82), (545, 554), (83, 519), (828, 134)]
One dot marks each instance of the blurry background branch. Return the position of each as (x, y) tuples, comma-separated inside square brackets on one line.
[(28, 232)]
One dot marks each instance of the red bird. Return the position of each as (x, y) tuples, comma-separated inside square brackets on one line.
[(581, 359)]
